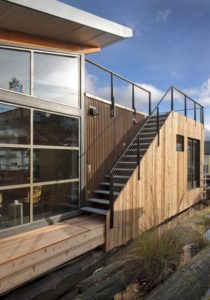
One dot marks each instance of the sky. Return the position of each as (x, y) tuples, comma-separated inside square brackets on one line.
[(170, 46)]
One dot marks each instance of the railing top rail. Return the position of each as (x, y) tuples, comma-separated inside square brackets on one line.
[(184, 94), (117, 75), (178, 90)]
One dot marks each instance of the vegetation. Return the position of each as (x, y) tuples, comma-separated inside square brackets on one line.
[(159, 253)]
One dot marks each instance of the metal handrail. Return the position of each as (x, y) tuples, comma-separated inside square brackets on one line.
[(113, 74)]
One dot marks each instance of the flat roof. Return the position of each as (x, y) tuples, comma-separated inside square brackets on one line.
[(57, 20)]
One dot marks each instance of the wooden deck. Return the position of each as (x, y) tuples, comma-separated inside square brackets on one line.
[(30, 254)]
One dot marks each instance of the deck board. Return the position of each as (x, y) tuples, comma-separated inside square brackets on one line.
[(30, 254)]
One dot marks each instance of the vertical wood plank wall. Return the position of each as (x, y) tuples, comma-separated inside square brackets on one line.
[(162, 190), (106, 138)]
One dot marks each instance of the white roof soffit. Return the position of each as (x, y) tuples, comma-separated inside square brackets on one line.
[(56, 20)]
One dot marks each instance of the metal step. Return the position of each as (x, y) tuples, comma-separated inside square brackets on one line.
[(127, 162), (135, 150), (104, 192), (140, 144), (99, 201), (123, 169), (117, 176), (114, 184), (150, 133), (93, 210)]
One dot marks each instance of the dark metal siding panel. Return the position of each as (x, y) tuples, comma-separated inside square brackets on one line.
[(207, 148)]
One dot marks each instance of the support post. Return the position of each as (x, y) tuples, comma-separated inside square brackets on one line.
[(172, 98), (150, 104), (195, 111), (112, 96), (185, 106), (158, 126), (111, 199), (202, 109)]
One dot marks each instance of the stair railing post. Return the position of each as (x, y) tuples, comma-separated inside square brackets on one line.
[(112, 96), (202, 114), (111, 201), (185, 106), (194, 111), (138, 155), (158, 125), (150, 104), (172, 98)]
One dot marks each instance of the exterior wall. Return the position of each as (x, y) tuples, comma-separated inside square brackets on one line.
[(106, 138), (162, 190)]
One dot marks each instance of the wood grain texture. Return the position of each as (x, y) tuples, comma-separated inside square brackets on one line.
[(33, 41), (106, 138), (162, 190), (30, 254)]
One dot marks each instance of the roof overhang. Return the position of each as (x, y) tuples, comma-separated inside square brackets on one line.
[(55, 20)]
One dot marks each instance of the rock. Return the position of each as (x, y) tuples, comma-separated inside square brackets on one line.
[(190, 282), (103, 285)]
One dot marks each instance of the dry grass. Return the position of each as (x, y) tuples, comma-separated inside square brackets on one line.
[(159, 253)]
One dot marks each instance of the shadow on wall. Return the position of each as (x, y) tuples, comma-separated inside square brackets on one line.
[(107, 138)]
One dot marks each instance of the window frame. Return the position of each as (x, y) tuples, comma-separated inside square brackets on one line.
[(182, 142), (31, 184), (194, 167), (31, 67)]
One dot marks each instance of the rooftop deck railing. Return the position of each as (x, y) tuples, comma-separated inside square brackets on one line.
[(116, 88)]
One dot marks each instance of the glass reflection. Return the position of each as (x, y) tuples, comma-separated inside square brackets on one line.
[(56, 78), (55, 199), (14, 207), (51, 129), (14, 125), (51, 165), (14, 166), (16, 70)]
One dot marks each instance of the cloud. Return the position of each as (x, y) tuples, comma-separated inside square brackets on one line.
[(202, 93), (123, 92), (123, 95), (163, 15), (207, 134)]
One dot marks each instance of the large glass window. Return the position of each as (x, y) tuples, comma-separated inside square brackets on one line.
[(51, 148), (14, 166), (52, 165), (47, 76), (193, 163), (56, 78), (55, 199), (16, 70), (14, 207), (51, 129), (14, 125)]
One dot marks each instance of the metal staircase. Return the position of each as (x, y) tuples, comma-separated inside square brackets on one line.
[(110, 188)]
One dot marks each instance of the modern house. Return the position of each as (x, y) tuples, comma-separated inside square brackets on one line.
[(84, 161)]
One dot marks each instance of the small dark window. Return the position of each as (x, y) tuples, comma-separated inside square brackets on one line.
[(179, 143)]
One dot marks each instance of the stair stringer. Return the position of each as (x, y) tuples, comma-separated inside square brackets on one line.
[(162, 190)]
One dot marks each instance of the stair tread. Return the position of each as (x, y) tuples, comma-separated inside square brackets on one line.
[(118, 176), (114, 184), (98, 200), (127, 162), (94, 210), (105, 192), (122, 169)]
